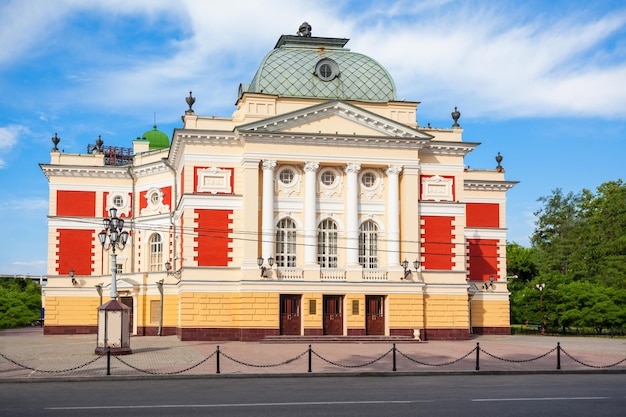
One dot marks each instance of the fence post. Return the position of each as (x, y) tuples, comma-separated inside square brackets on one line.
[(109, 360), (394, 357), (310, 354), (478, 356), (558, 355), (217, 360)]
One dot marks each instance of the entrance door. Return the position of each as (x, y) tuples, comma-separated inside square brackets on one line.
[(333, 316), (290, 315), (375, 315), (128, 302)]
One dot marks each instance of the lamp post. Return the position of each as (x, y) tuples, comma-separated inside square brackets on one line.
[(117, 238), (113, 316), (541, 287)]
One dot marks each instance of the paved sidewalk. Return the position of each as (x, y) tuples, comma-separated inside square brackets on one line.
[(28, 354)]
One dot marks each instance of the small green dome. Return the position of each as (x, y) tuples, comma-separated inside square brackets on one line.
[(157, 139)]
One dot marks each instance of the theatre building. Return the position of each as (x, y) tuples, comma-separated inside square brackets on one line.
[(292, 217)]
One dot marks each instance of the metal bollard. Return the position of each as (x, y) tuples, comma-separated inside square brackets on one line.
[(394, 357), (310, 357), (217, 360), (478, 356), (558, 355), (109, 360)]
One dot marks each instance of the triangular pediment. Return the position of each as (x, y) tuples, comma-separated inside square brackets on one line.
[(334, 118)]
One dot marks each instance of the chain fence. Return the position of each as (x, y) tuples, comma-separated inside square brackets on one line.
[(310, 353)]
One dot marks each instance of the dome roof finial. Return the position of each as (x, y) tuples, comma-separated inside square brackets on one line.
[(304, 30)]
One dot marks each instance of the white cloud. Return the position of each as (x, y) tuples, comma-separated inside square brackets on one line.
[(499, 60), (9, 136)]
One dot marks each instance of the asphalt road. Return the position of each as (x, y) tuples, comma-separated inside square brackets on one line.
[(534, 395)]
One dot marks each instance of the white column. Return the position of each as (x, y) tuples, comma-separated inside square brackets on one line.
[(393, 216), (267, 220), (310, 212), (352, 214)]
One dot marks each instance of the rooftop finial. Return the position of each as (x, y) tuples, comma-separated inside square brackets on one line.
[(304, 30), (455, 116), (190, 100), (55, 140)]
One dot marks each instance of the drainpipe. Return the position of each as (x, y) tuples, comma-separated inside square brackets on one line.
[(174, 242), (132, 220)]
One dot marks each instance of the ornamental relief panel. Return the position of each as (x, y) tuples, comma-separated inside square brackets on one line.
[(214, 180), (329, 182), (437, 188), (288, 181), (154, 198), (371, 184)]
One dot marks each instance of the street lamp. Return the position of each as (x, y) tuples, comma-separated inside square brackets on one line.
[(113, 317), (117, 238), (541, 287), (405, 266)]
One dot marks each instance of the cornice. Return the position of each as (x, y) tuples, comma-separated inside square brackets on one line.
[(334, 140), (449, 148), (113, 172), (484, 185)]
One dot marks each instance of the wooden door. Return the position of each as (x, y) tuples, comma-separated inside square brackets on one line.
[(290, 321), (375, 315), (333, 315)]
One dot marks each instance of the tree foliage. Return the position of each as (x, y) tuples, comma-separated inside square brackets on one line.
[(578, 249), (20, 302)]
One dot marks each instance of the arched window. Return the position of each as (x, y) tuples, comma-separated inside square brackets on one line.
[(156, 252), (327, 244), (368, 244), (286, 244)]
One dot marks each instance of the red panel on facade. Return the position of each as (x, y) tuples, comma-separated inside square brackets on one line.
[(483, 259), (437, 242), (75, 251), (167, 196), (76, 203), (482, 214), (213, 236)]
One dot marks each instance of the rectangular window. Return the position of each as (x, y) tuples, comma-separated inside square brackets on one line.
[(355, 307), (155, 312), (312, 307)]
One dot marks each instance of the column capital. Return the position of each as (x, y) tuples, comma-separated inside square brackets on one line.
[(352, 168), (268, 164), (311, 166), (394, 169)]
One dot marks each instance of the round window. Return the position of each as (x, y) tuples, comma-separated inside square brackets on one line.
[(155, 197), (327, 69), (286, 176), (328, 178), (368, 180), (118, 201)]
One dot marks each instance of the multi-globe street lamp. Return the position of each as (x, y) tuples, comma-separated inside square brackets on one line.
[(113, 316)]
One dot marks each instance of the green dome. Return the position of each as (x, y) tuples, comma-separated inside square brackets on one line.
[(316, 67), (157, 139)]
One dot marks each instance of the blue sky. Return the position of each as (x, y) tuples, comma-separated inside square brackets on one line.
[(543, 83)]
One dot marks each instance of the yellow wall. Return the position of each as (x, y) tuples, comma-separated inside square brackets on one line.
[(446, 311), (76, 311), (406, 311), (312, 321), (490, 313), (245, 310)]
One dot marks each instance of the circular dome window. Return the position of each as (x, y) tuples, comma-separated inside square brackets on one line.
[(326, 69)]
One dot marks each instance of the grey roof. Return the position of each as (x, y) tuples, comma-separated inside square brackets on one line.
[(289, 70)]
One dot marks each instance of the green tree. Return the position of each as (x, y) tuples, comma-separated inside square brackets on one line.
[(20, 302)]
